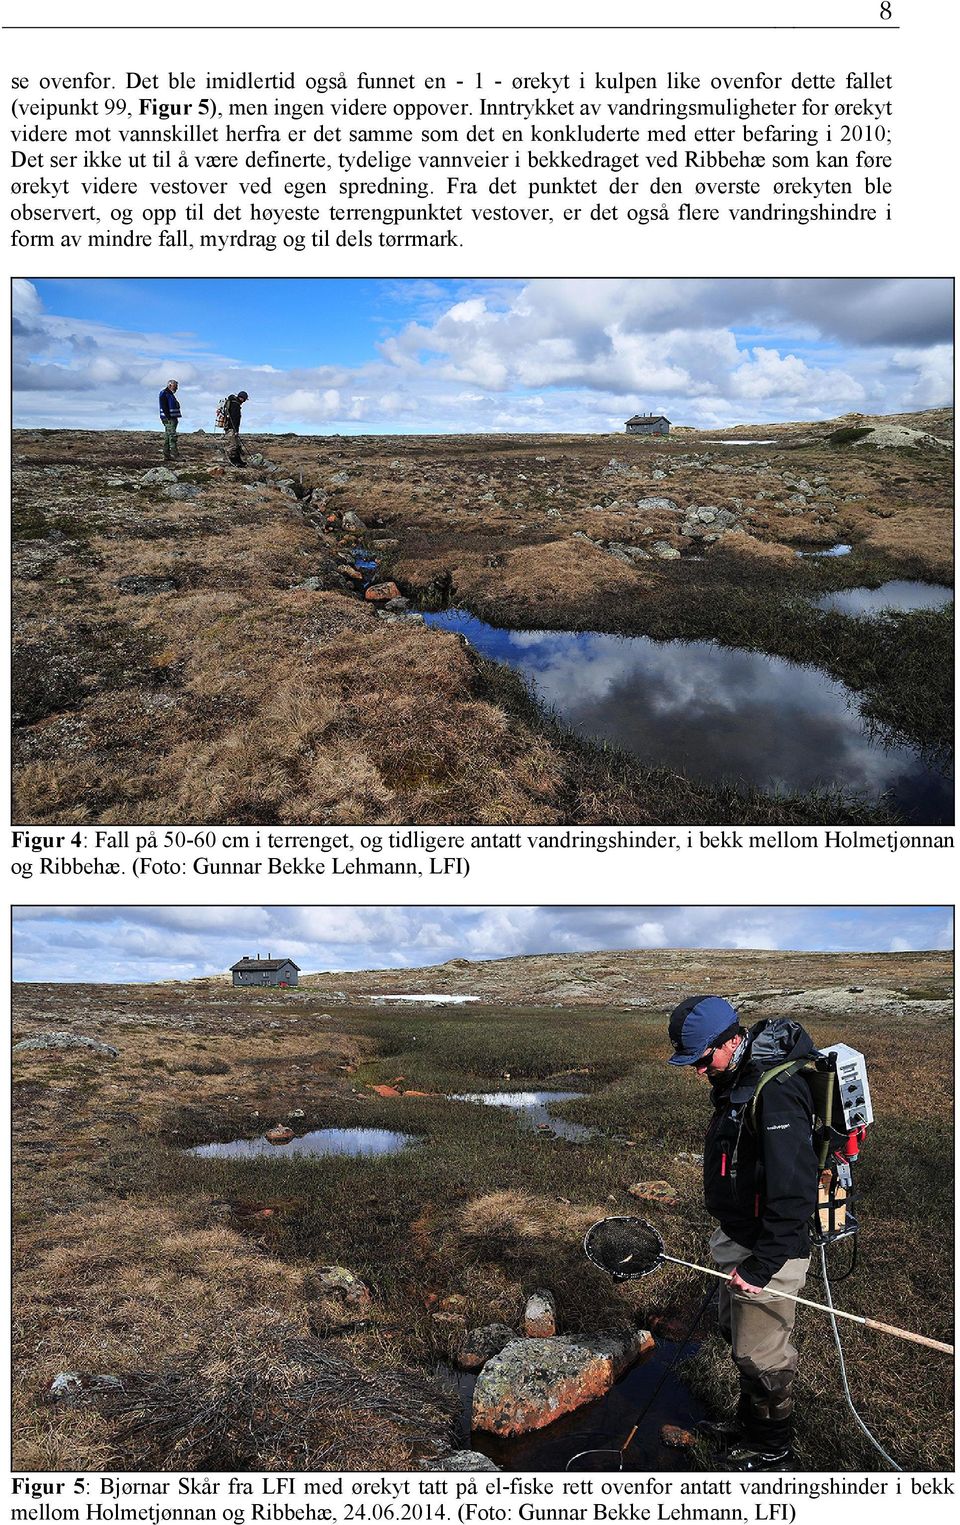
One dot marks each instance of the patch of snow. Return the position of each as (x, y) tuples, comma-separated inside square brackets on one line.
[(434, 1000)]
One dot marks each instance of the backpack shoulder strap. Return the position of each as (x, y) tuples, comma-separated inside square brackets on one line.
[(778, 1072)]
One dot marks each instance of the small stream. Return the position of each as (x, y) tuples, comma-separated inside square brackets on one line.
[(832, 550), (605, 1423), (533, 1110), (714, 713)]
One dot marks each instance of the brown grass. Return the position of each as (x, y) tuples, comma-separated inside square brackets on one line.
[(132, 1262), (240, 697)]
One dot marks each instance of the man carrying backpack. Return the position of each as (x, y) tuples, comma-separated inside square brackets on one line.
[(228, 417), (169, 417), (761, 1176)]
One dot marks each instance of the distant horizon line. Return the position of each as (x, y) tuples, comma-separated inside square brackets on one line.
[(504, 958), (320, 433)]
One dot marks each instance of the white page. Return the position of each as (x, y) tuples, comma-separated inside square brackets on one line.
[(861, 93)]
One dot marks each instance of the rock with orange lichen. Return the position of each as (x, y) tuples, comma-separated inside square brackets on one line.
[(532, 1382), (677, 1439), (540, 1315), (382, 592)]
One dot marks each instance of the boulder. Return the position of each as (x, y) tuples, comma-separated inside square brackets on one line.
[(532, 1382), (540, 1315), (658, 505), (72, 1387), (481, 1345), (181, 492), (461, 1461), (65, 1387), (144, 585), (354, 573), (158, 474), (68, 1040), (352, 521), (677, 1439), (654, 1191), (627, 553), (342, 1286), (279, 1135), (664, 551), (382, 592)]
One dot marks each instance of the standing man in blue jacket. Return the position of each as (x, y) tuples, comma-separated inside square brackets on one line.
[(760, 1177), (169, 417)]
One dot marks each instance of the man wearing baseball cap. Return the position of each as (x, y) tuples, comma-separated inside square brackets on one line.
[(760, 1178)]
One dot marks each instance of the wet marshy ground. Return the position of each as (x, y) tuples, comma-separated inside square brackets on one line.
[(715, 713)]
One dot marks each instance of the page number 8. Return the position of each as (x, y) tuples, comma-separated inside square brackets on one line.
[(886, 11)]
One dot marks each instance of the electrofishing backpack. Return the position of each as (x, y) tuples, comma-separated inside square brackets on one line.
[(840, 1094), (223, 413)]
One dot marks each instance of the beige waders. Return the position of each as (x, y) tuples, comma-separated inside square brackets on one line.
[(759, 1328)]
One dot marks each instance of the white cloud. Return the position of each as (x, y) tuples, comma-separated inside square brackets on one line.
[(544, 355), (97, 943)]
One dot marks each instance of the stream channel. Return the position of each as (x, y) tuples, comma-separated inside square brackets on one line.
[(533, 1110), (604, 1423), (717, 714)]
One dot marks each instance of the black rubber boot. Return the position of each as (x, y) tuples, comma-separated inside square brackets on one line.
[(721, 1434), (741, 1459), (767, 1441)]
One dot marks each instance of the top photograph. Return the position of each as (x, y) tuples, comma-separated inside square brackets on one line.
[(484, 552)]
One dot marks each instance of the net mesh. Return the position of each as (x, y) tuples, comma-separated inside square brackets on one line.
[(624, 1247)]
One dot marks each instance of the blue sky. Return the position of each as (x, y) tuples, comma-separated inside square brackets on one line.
[(428, 356), (143, 943)]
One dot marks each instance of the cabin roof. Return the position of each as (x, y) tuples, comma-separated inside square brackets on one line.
[(247, 965)]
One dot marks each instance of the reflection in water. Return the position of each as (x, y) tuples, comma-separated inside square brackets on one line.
[(317, 1145), (716, 714), (834, 550), (534, 1109), (899, 594), (606, 1422)]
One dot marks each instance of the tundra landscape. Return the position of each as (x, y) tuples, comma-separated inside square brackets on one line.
[(752, 626), (263, 1309)]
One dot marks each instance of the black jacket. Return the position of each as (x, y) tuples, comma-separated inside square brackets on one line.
[(761, 1183), (234, 409)]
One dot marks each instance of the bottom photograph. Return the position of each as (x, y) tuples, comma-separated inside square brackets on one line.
[(517, 1188)]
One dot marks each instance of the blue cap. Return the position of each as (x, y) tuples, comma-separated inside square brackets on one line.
[(697, 1024)]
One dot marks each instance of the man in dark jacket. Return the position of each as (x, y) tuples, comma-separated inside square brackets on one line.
[(760, 1177), (231, 434), (169, 417)]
